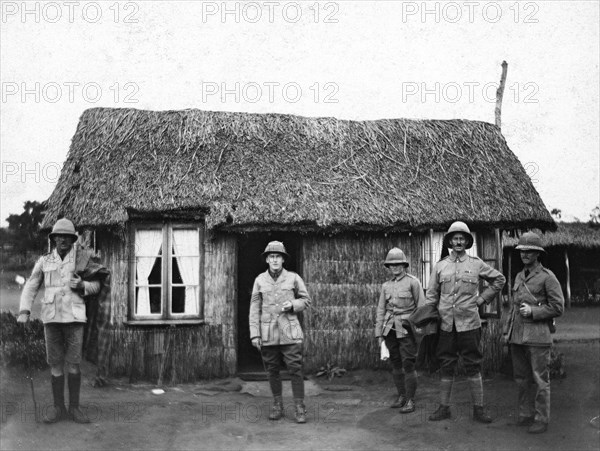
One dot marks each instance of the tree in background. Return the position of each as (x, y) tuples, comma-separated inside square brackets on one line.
[(595, 217), (24, 229)]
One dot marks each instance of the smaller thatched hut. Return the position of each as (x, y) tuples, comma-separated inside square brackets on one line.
[(572, 253), (180, 204)]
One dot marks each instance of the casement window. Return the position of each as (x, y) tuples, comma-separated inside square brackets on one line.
[(165, 272)]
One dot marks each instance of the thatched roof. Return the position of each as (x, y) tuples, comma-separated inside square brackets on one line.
[(253, 171), (569, 234)]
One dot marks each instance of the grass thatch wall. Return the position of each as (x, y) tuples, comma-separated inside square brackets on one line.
[(344, 276), (174, 354)]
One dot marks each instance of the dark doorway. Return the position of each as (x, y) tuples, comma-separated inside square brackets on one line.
[(250, 265)]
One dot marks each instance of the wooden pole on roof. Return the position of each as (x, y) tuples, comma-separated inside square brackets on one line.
[(500, 94), (568, 279)]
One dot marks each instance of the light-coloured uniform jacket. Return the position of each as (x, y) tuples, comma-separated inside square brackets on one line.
[(454, 288), (399, 298), (60, 303), (541, 290), (267, 321)]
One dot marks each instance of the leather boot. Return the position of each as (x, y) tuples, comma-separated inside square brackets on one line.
[(399, 383), (300, 411), (408, 407), (480, 415), (58, 411), (538, 428), (276, 409), (75, 413), (442, 413)]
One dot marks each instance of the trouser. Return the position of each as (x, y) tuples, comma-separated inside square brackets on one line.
[(275, 357), (403, 355), (453, 344), (530, 366), (64, 342)]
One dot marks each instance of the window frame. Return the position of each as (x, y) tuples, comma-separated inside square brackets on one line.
[(165, 316)]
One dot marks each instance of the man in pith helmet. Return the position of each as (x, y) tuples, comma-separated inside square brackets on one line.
[(399, 297), (277, 296), (454, 289), (63, 313), (537, 299)]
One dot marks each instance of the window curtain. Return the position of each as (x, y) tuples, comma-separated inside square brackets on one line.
[(187, 252), (148, 243)]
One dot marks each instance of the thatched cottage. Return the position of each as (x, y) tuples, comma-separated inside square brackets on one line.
[(180, 204)]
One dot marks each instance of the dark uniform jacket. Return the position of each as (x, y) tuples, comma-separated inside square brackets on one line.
[(541, 290), (267, 320)]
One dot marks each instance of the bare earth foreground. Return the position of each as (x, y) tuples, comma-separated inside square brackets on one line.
[(350, 413)]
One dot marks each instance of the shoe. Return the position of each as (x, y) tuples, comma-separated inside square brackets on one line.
[(480, 415), (55, 414), (408, 407), (300, 414), (77, 415), (276, 411), (442, 413), (399, 402), (525, 421), (538, 428)]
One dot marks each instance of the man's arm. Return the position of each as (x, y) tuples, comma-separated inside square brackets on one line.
[(31, 288), (417, 292), (380, 314), (495, 279), (433, 288), (302, 300), (255, 307), (556, 301)]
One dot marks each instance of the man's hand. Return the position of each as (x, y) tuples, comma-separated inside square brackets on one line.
[(380, 340), (286, 306), (76, 283), (257, 343), (525, 310), (23, 318)]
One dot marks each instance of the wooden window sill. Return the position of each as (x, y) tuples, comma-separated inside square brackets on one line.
[(164, 322)]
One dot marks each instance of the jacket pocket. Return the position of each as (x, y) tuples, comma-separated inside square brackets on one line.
[(48, 306), (265, 327), (469, 284), (446, 285), (78, 307), (292, 329), (536, 333)]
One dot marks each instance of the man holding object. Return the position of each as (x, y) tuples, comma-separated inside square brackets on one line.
[(63, 315), (537, 299), (277, 296)]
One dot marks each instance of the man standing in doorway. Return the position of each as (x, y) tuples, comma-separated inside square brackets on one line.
[(277, 296), (453, 288), (63, 313), (537, 299)]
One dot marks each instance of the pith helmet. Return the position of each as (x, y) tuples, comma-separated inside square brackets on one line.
[(461, 227), (530, 241), (63, 227), (275, 247), (395, 256)]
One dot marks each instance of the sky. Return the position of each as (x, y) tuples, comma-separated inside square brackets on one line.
[(345, 59)]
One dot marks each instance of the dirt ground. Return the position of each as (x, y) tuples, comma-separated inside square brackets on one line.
[(351, 413)]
